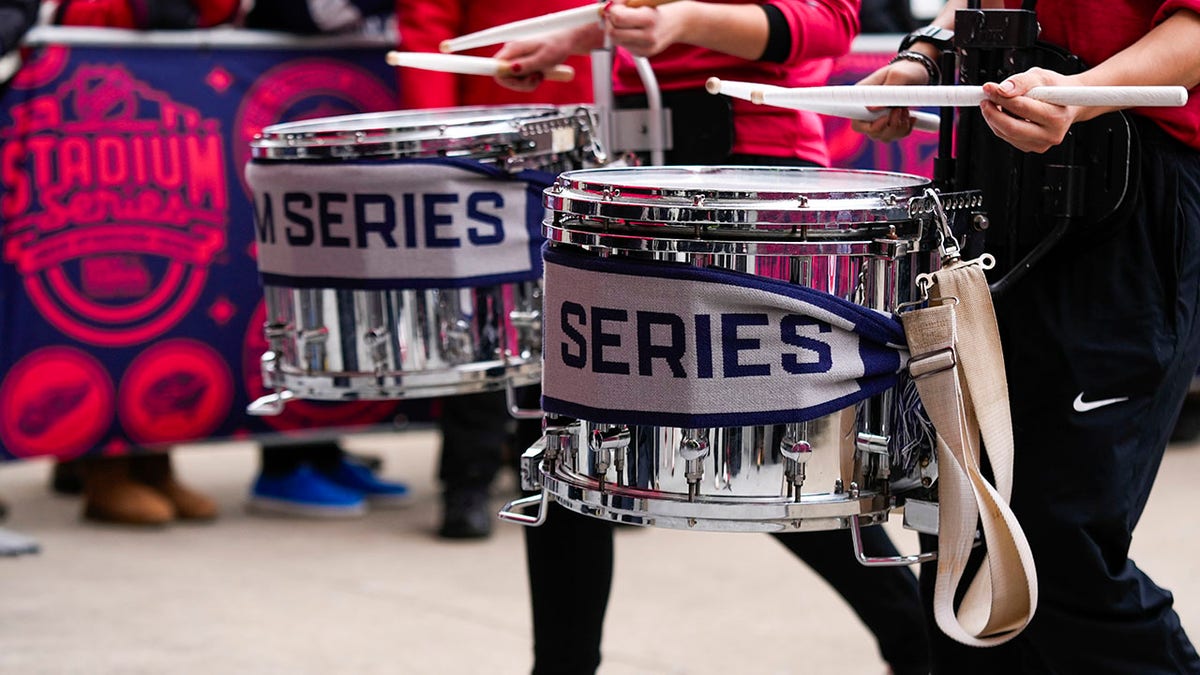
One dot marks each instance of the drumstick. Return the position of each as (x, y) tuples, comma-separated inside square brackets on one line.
[(470, 65), (538, 25), (963, 96), (751, 91)]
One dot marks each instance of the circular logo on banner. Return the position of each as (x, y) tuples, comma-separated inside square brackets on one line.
[(176, 390), (44, 65), (303, 414), (56, 401), (115, 206), (306, 89)]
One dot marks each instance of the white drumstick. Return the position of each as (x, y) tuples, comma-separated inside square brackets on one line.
[(963, 96), (470, 65), (535, 26), (751, 91)]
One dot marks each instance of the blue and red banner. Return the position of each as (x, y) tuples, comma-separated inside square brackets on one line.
[(130, 305)]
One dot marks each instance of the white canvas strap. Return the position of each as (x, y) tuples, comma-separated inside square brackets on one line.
[(959, 370)]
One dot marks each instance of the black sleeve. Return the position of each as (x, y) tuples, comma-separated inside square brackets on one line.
[(16, 18), (779, 36)]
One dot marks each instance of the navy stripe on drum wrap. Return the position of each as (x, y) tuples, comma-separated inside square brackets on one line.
[(884, 330), (870, 386), (399, 284)]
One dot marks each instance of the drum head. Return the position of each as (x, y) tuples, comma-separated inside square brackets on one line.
[(735, 201), (478, 132)]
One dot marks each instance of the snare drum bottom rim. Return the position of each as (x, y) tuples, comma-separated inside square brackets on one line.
[(354, 386), (673, 511)]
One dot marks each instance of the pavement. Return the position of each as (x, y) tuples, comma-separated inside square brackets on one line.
[(382, 594)]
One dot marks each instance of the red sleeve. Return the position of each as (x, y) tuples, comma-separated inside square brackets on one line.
[(1171, 6), (820, 28), (423, 24)]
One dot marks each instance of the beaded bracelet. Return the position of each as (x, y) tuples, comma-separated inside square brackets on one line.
[(931, 68)]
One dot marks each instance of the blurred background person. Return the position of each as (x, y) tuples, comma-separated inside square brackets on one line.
[(477, 428)]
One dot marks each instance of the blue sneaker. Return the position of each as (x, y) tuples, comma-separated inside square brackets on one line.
[(355, 476), (305, 493)]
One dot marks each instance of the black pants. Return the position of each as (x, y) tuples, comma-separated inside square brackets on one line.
[(567, 634), (475, 431), (281, 458), (1111, 314)]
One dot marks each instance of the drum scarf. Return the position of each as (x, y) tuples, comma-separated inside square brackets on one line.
[(668, 344), (401, 224)]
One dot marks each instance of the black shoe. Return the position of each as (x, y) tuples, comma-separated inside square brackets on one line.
[(467, 514)]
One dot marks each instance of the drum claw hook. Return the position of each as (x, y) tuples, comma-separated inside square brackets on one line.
[(947, 243), (924, 283)]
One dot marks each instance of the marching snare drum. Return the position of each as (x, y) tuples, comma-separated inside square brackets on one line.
[(399, 251), (719, 349)]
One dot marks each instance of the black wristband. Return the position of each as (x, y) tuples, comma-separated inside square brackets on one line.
[(931, 68), (942, 38)]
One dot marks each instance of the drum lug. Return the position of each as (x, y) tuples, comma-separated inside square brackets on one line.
[(693, 448), (874, 444), (604, 441), (796, 452)]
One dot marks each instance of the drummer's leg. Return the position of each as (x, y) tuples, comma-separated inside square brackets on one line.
[(570, 564), (570, 559), (886, 599), (474, 430)]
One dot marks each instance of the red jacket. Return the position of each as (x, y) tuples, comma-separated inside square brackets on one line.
[(425, 23), (136, 13), (1096, 30), (821, 31)]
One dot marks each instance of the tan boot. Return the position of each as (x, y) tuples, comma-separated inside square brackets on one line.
[(111, 495), (155, 471)]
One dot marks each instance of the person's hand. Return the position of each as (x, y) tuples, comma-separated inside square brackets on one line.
[(530, 57), (1025, 123), (898, 123), (644, 31)]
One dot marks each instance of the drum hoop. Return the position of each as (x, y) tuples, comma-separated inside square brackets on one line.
[(584, 200), (480, 132), (864, 245)]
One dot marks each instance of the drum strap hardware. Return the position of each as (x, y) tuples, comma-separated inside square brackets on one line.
[(927, 365), (631, 130), (968, 404)]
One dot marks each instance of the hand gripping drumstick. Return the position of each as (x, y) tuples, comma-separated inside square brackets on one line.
[(751, 91), (470, 65), (538, 25), (965, 96)]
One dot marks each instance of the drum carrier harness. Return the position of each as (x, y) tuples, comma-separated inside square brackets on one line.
[(1033, 200)]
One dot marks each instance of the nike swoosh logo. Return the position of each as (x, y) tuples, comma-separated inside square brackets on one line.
[(1081, 405)]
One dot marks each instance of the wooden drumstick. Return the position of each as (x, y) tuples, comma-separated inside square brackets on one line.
[(538, 25), (470, 65), (752, 91)]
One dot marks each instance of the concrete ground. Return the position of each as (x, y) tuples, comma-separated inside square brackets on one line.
[(381, 594)]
